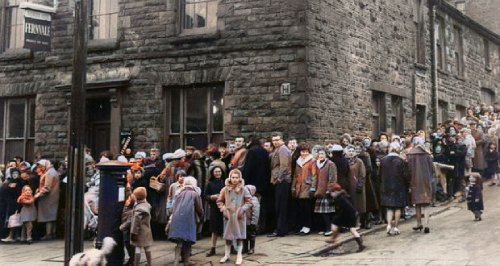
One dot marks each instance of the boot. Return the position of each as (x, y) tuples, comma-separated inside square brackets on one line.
[(227, 253), (137, 259), (359, 240), (211, 252), (177, 251), (333, 237)]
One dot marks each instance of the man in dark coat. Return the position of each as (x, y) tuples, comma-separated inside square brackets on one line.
[(457, 154)]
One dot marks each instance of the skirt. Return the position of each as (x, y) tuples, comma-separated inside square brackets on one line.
[(323, 206)]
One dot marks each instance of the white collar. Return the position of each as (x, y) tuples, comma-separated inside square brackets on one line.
[(301, 161), (320, 164)]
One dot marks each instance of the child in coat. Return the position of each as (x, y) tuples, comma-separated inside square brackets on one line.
[(125, 228), (28, 213), (252, 221), (475, 199), (140, 229), (233, 202)]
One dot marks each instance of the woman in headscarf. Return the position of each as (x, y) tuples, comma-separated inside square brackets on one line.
[(47, 196)]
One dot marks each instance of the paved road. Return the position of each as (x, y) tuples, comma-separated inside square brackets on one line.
[(455, 239)]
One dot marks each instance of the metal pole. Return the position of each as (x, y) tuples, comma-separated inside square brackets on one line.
[(73, 235)]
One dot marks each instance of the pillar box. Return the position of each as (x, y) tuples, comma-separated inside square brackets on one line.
[(111, 201)]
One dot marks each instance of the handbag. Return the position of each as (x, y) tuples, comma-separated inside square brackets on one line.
[(156, 185), (15, 220)]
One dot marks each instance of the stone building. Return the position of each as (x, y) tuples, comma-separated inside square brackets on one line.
[(484, 12), (173, 73)]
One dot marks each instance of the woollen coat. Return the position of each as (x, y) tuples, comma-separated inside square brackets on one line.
[(475, 198), (234, 201), (478, 161), (141, 225), (48, 201), (421, 171), (187, 206), (394, 181), (304, 180), (327, 176), (257, 170), (357, 185)]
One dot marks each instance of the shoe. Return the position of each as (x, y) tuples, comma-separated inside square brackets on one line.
[(418, 228), (251, 251), (275, 235), (492, 184), (46, 237), (427, 230), (328, 233), (333, 237), (8, 240), (321, 233), (368, 225), (239, 260), (361, 247), (29, 241), (305, 231), (224, 259), (210, 253), (396, 231), (389, 230)]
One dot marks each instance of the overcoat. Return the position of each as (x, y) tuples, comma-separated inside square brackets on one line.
[(49, 200), (357, 185), (281, 165), (478, 161), (304, 180), (234, 201), (394, 181), (141, 225), (327, 176), (187, 206), (421, 171), (372, 203), (257, 170), (474, 193)]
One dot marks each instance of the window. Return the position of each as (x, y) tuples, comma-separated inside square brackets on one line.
[(460, 111), (378, 114), (17, 132), (12, 25), (442, 111), (486, 54), (459, 52), (198, 16), (441, 44), (196, 116), (103, 20), (487, 96), (397, 115), (421, 117), (420, 31)]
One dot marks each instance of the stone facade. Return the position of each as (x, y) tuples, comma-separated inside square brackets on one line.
[(484, 12), (334, 54)]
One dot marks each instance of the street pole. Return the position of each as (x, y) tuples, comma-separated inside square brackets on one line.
[(73, 234)]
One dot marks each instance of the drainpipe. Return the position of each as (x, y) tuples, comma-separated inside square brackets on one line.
[(434, 77)]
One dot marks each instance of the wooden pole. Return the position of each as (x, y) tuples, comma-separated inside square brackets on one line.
[(75, 187)]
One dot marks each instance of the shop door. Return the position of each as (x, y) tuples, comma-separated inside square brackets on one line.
[(98, 126)]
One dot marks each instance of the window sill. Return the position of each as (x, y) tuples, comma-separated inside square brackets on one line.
[(102, 45), (444, 72), (16, 54), (421, 66), (193, 37), (460, 77)]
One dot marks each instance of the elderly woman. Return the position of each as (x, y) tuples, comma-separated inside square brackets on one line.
[(327, 176), (356, 188), (394, 186), (182, 225), (47, 196)]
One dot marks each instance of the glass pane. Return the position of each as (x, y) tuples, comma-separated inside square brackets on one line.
[(200, 15), (175, 111), (212, 14), (113, 26), (217, 138), (188, 15), (31, 119), (218, 108), (198, 141), (2, 108), (30, 151), (14, 148), (174, 143), (16, 118), (98, 110), (196, 110)]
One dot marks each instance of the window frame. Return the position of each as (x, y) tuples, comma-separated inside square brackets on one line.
[(487, 60), (459, 52), (28, 136), (109, 15), (5, 24), (379, 124), (441, 43), (420, 32), (197, 30), (183, 133)]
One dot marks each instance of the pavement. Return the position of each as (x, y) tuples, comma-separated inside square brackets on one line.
[(301, 250)]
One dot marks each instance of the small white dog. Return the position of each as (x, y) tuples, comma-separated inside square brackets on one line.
[(94, 257)]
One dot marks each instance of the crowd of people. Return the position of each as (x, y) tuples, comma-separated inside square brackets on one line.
[(245, 187)]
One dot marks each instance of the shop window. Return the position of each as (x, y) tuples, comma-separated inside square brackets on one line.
[(198, 16), (12, 21), (195, 116), (17, 132), (103, 20)]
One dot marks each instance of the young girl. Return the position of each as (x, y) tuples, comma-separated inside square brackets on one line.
[(28, 213), (234, 200), (125, 227), (345, 215), (140, 229), (252, 221), (212, 191), (475, 199)]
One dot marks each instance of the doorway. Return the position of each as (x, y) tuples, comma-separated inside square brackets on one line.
[(98, 125)]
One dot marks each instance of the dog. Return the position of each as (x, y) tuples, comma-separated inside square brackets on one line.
[(94, 257)]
